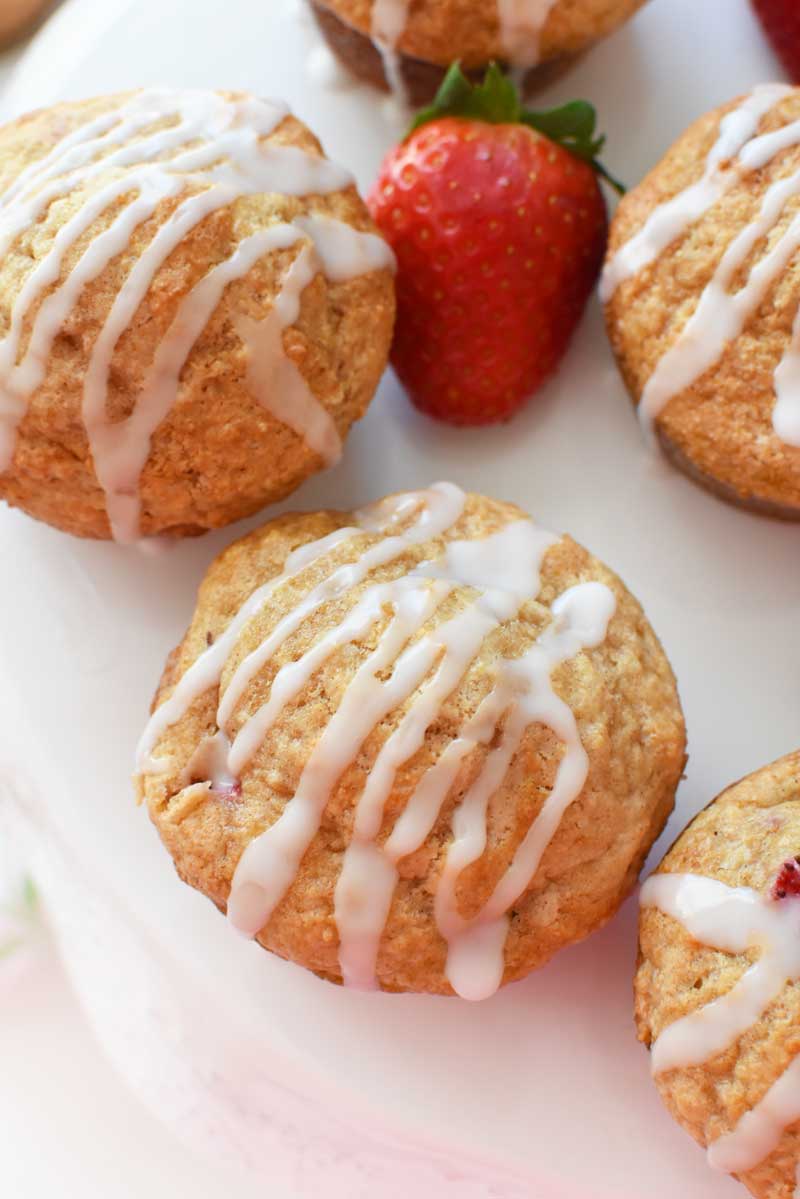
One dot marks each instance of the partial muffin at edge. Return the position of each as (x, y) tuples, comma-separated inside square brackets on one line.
[(744, 839), (719, 426), (477, 33), (417, 79)]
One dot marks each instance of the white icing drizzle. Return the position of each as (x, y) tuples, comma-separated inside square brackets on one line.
[(721, 315), (211, 152), (389, 20), (786, 413), (120, 448), (273, 378), (510, 560), (734, 920), (345, 252), (521, 25), (411, 666), (441, 506), (759, 1131), (670, 219), (523, 693), (269, 864), (475, 957)]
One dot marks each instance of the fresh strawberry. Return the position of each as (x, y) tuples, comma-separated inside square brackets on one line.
[(787, 884), (781, 21), (499, 227)]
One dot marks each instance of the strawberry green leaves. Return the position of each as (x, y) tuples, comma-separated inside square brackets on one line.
[(496, 100)]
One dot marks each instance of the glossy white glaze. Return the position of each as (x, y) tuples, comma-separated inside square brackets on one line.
[(672, 218), (506, 565), (344, 252), (521, 25), (721, 313), (206, 670), (759, 1131), (475, 947), (389, 19), (786, 413), (735, 920), (273, 378)]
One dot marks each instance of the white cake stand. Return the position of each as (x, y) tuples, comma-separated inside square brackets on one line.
[(543, 1090)]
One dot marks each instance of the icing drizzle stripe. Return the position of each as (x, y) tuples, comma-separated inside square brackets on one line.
[(720, 315), (521, 25), (734, 920)]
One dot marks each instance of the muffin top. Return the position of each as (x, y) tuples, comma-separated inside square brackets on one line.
[(476, 31), (419, 747), (194, 307), (702, 284), (718, 985)]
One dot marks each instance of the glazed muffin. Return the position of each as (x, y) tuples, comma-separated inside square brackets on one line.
[(406, 45), (419, 747), (702, 286), (194, 308), (718, 985)]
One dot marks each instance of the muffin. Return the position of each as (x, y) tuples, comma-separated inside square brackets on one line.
[(718, 985), (406, 45), (418, 747), (702, 286), (194, 308), (17, 18)]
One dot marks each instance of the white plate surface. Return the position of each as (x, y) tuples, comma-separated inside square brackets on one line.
[(543, 1090)]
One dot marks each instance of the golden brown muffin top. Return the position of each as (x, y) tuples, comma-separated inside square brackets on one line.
[(420, 747), (476, 31), (156, 244), (718, 985), (702, 284)]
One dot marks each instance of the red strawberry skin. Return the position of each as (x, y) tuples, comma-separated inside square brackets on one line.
[(781, 21), (499, 235)]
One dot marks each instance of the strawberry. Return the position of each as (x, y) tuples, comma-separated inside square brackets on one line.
[(781, 21), (787, 884), (499, 227)]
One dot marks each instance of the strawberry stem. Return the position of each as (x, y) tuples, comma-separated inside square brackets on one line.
[(496, 100)]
